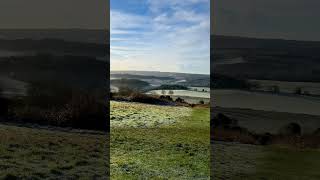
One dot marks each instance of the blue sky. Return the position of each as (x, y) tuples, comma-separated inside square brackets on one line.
[(160, 35)]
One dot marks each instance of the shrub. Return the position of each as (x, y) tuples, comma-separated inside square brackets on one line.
[(264, 139), (307, 93), (317, 132), (85, 111), (124, 91), (275, 89), (180, 100), (221, 120), (232, 135), (4, 106), (47, 95), (166, 98), (291, 129), (298, 91), (61, 106), (143, 98)]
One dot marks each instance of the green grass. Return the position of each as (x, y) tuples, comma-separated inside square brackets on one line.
[(167, 143), (29, 153), (241, 161), (289, 163)]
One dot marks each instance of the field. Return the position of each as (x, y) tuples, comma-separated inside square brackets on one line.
[(190, 96), (12, 87), (289, 87), (184, 93), (159, 142), (41, 153), (266, 101), (242, 161), (267, 121)]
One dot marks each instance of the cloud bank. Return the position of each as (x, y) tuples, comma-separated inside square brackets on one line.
[(166, 35)]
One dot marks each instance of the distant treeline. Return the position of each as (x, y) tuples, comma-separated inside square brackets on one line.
[(196, 82), (171, 87), (267, 59), (225, 82), (57, 104), (54, 45), (134, 76), (133, 84), (76, 71)]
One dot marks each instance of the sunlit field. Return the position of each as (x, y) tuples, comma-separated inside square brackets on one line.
[(187, 93), (159, 142)]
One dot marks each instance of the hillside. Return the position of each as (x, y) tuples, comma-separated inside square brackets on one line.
[(156, 78), (268, 59), (44, 68), (43, 153), (174, 141)]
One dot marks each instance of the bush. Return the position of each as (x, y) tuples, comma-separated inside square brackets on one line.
[(233, 135), (275, 89), (317, 132), (264, 139), (143, 98), (291, 129), (47, 95), (85, 111), (4, 106), (221, 120), (298, 91), (166, 98), (61, 106), (307, 93), (180, 100)]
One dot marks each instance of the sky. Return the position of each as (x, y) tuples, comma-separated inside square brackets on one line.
[(160, 35), (61, 14), (284, 19)]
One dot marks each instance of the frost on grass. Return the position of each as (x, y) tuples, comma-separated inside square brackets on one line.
[(125, 114)]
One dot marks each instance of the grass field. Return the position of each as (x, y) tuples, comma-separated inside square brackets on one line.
[(241, 161), (266, 101), (267, 121), (159, 142), (33, 153), (289, 87)]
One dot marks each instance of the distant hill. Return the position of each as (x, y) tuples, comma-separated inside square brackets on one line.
[(73, 71), (97, 36), (268, 59), (133, 84), (78, 58), (137, 76), (184, 79), (56, 46)]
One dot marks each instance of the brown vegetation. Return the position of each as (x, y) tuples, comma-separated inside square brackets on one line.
[(60, 106), (224, 128)]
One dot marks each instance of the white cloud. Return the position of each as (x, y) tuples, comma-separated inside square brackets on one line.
[(122, 20), (172, 40), (157, 5)]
